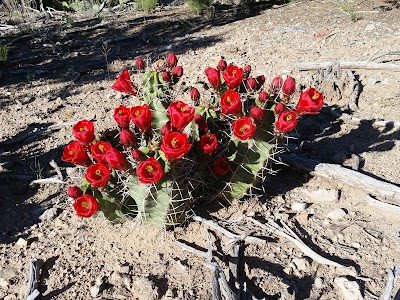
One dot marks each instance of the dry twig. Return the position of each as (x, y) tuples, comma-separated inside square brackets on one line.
[(32, 291), (307, 66)]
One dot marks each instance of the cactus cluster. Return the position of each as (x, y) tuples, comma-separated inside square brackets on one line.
[(165, 155)]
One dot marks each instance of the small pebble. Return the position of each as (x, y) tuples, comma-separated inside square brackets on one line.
[(348, 289), (301, 264), (336, 214), (94, 291), (21, 242), (319, 282), (324, 195), (299, 206), (49, 214)]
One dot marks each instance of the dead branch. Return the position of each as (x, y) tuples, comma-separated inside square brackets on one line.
[(46, 180), (289, 234), (4, 27), (372, 186), (353, 100), (379, 55), (32, 291), (392, 276), (227, 233), (376, 124), (307, 66), (54, 165), (382, 205), (36, 132)]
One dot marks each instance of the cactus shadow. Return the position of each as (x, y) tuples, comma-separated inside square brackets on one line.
[(22, 160)]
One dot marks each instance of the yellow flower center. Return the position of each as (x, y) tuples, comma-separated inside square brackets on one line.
[(315, 96), (137, 113), (120, 112), (84, 204), (234, 72), (243, 128), (228, 99), (183, 109), (288, 118), (101, 147), (71, 152), (174, 142), (81, 129), (149, 169), (98, 172)]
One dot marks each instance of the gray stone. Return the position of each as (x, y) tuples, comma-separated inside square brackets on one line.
[(299, 206), (3, 283), (336, 214), (373, 80), (8, 273), (319, 282), (49, 214), (10, 297), (370, 27), (348, 289), (324, 195)]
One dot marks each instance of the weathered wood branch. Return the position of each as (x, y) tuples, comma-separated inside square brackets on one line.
[(307, 66), (374, 123), (372, 186)]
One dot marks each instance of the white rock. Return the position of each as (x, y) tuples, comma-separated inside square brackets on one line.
[(21, 242), (336, 214), (3, 283), (348, 289), (370, 27), (94, 291), (324, 195), (10, 297), (299, 206), (318, 282), (301, 264)]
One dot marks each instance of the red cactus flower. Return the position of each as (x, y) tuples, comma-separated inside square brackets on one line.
[(97, 175), (76, 153), (175, 145), (195, 95), (251, 84), (84, 131), (166, 76), (201, 123), (172, 60), (74, 192), (233, 76), (149, 171), (221, 166), (263, 96), (221, 65), (139, 64), (99, 149), (180, 115), (257, 113), (289, 86), (208, 144), (124, 84), (231, 103), (177, 71), (127, 138), (243, 128), (287, 121), (213, 78), (276, 84), (86, 206), (116, 160), (310, 102), (141, 117), (122, 116)]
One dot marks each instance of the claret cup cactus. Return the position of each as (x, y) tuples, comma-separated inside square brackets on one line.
[(164, 155)]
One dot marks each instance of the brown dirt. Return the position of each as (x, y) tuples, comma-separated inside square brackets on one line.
[(59, 73)]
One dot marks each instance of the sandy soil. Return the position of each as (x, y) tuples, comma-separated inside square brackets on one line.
[(60, 70)]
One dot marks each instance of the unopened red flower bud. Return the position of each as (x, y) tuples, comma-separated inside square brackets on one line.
[(137, 155), (214, 78), (251, 84), (127, 138), (279, 108), (166, 128), (177, 71), (166, 76), (221, 65), (172, 60), (260, 79), (276, 84), (263, 96), (257, 113), (139, 63), (289, 86), (74, 192), (247, 69), (195, 95)]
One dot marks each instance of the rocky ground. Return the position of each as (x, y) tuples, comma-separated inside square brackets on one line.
[(60, 70)]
